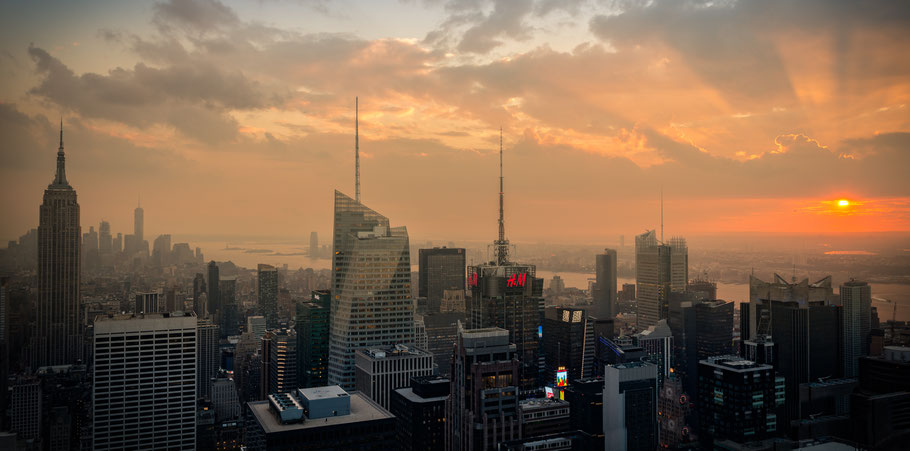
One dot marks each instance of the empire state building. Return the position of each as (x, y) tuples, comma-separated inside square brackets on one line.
[(58, 340)]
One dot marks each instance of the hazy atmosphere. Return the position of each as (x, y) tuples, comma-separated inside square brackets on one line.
[(236, 119)]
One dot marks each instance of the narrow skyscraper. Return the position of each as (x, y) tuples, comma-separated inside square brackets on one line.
[(659, 269), (856, 299), (605, 290), (59, 336), (268, 294)]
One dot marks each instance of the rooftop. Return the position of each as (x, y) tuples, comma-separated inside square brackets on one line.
[(735, 363), (362, 409), (327, 392), (409, 394)]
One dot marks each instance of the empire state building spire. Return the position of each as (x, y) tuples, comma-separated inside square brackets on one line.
[(501, 245), (60, 178)]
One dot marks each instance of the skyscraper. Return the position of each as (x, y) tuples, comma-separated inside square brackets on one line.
[(208, 355), (104, 238), (509, 296), (856, 300), (228, 312), (380, 371), (739, 401), (605, 290), (198, 290), (440, 269), (314, 245), (282, 363), (482, 409), (312, 325), (630, 406), (59, 336), (147, 405), (212, 285), (371, 272), (139, 224), (659, 269), (566, 344), (268, 294)]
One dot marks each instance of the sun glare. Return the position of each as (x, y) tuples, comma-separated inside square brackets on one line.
[(843, 202)]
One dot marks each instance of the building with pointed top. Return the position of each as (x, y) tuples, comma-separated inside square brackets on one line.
[(371, 287), (508, 295), (58, 340)]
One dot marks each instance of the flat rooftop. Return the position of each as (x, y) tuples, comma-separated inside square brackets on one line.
[(408, 394), (327, 392), (362, 409)]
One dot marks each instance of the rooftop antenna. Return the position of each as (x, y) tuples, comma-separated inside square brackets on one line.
[(661, 213), (356, 150), (501, 245)]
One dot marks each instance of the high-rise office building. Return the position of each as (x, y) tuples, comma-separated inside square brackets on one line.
[(256, 325), (379, 371), (25, 408), (371, 272), (739, 401), (227, 301), (805, 326), (146, 303), (566, 344), (104, 238), (483, 406), (440, 269), (508, 295), (660, 268), (90, 249), (314, 245), (212, 285), (268, 294), (139, 223), (208, 357), (224, 398), (586, 407), (442, 330), (312, 325), (140, 402), (657, 341), (198, 290), (117, 243), (282, 363), (605, 290), (856, 300), (675, 412), (630, 406), (420, 413), (58, 339), (161, 250), (701, 329)]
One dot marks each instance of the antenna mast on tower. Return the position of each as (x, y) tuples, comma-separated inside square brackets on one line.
[(356, 150), (501, 245), (661, 213)]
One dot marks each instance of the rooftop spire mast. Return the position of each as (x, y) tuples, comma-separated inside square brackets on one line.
[(661, 213), (60, 178), (502, 245), (356, 150)]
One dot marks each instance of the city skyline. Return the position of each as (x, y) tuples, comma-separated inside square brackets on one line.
[(832, 111)]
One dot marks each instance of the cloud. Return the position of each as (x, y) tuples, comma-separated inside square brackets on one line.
[(193, 98)]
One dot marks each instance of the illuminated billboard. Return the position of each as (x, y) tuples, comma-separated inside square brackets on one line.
[(562, 377)]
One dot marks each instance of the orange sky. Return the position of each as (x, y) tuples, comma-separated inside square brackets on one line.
[(232, 120)]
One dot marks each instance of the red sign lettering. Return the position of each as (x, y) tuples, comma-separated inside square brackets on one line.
[(517, 280)]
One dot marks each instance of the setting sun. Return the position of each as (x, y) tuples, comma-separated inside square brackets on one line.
[(843, 202)]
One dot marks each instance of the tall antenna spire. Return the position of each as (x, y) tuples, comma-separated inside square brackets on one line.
[(60, 177), (356, 150), (501, 245), (661, 213)]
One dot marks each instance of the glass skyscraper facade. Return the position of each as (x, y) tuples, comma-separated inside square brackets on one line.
[(659, 269), (371, 287)]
